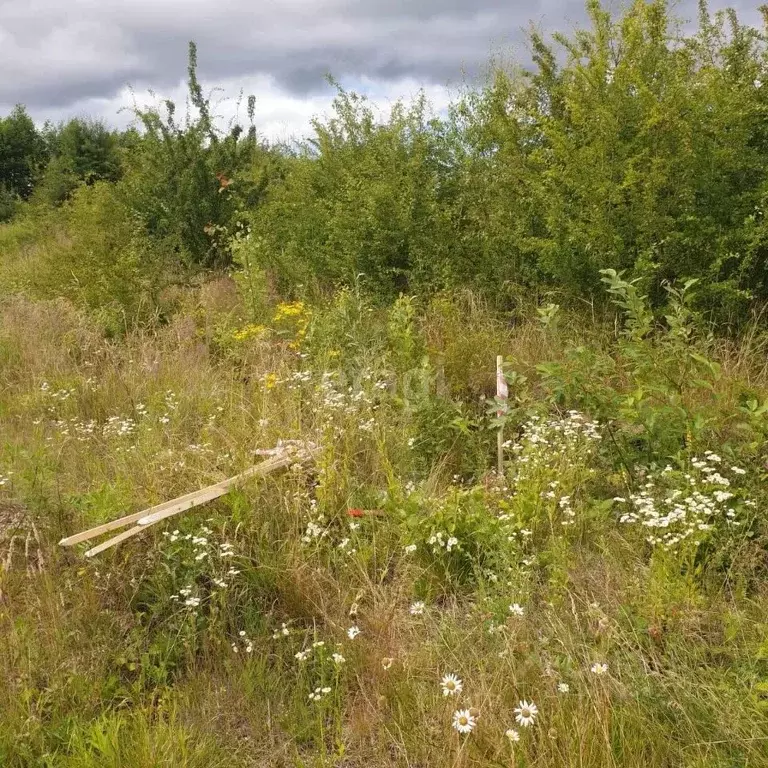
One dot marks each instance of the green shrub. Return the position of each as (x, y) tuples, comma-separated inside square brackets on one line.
[(462, 538), (187, 183), (655, 389)]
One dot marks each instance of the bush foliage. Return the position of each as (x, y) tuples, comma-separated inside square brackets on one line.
[(628, 145)]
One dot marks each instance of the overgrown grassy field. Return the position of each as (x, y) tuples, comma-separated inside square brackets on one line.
[(178, 298), (601, 604)]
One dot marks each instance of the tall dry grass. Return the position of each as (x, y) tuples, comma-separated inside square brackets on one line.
[(102, 668)]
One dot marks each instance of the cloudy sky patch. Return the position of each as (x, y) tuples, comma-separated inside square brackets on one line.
[(76, 57)]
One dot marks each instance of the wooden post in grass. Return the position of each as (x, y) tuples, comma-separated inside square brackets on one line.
[(502, 392)]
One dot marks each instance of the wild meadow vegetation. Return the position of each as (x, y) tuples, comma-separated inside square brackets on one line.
[(176, 297)]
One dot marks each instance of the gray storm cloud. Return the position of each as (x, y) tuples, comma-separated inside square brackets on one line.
[(54, 53)]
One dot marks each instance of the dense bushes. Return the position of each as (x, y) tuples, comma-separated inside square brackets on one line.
[(81, 152), (362, 198), (627, 145), (642, 150), (186, 182)]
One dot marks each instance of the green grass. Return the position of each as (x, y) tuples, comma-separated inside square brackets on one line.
[(103, 664)]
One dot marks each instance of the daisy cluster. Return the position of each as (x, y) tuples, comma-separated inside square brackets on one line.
[(83, 430), (200, 543), (115, 427), (465, 720), (306, 653), (440, 540), (467, 530), (187, 597), (319, 529), (319, 693), (171, 401), (334, 396), (297, 378), (316, 530), (246, 642), (317, 658), (558, 447), (197, 549), (358, 401), (284, 631), (545, 442), (119, 426), (59, 394), (684, 507)]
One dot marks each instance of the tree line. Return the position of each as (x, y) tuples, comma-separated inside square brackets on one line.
[(628, 145)]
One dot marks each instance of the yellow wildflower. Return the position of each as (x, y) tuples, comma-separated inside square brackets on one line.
[(250, 331), (294, 319)]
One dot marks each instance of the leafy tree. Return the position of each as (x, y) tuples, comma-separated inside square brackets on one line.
[(631, 146), (187, 180), (82, 151), (22, 154)]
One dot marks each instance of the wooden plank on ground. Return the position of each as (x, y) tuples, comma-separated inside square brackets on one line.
[(159, 512)]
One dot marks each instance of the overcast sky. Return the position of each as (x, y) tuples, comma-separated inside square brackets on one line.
[(76, 57)]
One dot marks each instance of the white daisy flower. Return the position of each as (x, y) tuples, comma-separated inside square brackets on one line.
[(416, 609), (410, 549), (353, 632), (599, 669), (512, 734), (563, 687), (516, 610), (526, 712), (318, 694), (463, 721), (451, 685)]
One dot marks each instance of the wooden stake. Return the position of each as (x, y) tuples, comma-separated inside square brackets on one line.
[(502, 392)]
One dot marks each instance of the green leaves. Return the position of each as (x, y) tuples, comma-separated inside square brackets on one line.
[(22, 154), (189, 183)]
